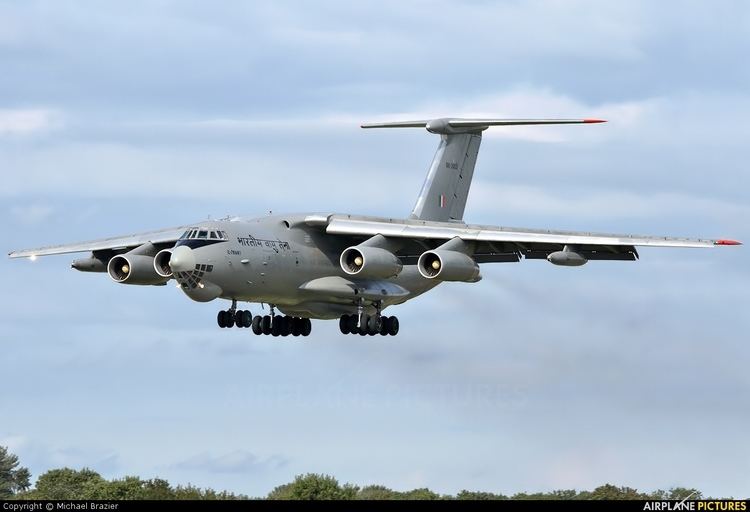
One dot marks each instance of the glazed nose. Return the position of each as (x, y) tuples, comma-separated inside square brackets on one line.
[(182, 259)]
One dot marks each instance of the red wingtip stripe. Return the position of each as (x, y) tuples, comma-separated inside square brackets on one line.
[(594, 120), (727, 242)]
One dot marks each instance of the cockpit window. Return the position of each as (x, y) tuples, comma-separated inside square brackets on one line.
[(204, 234)]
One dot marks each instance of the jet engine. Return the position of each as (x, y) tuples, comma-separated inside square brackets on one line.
[(134, 269), (370, 262), (446, 265), (161, 263)]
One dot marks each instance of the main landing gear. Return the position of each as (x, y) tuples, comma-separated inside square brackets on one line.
[(369, 325), (275, 325)]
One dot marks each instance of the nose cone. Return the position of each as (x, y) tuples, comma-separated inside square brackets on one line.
[(182, 259)]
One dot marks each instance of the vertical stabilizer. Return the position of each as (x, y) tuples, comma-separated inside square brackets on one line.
[(446, 187)]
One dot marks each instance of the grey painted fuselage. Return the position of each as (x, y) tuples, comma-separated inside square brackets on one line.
[(269, 259)]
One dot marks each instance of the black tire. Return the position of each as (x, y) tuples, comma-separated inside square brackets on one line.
[(373, 325), (344, 324), (306, 327), (221, 319), (229, 318), (384, 323), (256, 325), (247, 319), (276, 326), (286, 326), (265, 325), (296, 326), (393, 327), (352, 323)]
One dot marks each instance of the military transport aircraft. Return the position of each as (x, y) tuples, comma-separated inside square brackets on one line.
[(350, 267)]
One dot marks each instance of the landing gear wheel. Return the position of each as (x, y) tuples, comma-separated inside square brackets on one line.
[(384, 323), (296, 326), (229, 318), (238, 319), (306, 327), (393, 327), (221, 319), (276, 326), (344, 324), (246, 318), (265, 325), (373, 325), (351, 323), (256, 325), (285, 329), (362, 329)]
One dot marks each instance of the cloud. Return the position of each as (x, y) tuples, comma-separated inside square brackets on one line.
[(587, 203), (32, 214), (238, 461), (27, 122)]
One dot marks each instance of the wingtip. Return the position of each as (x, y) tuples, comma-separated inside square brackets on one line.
[(727, 242), (589, 121)]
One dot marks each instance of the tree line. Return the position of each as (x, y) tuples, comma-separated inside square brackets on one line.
[(86, 484)]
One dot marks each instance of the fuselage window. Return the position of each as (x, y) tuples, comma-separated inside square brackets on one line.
[(202, 234), (212, 235)]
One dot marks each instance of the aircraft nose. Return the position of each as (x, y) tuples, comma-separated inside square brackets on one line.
[(182, 259)]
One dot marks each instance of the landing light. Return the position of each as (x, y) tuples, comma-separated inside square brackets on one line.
[(436, 264), (32, 257), (200, 285), (358, 261)]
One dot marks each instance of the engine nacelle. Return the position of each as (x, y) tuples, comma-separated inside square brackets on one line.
[(370, 262), (134, 269), (161, 263), (447, 265), (567, 258)]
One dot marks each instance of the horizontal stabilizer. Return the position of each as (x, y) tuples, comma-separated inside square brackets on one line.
[(457, 125)]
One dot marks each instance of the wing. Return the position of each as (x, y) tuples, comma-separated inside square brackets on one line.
[(163, 237), (501, 244)]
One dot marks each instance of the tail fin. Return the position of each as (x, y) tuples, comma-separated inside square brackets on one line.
[(446, 187)]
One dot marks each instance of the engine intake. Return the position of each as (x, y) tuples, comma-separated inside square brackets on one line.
[(134, 269), (448, 266), (370, 262), (161, 263)]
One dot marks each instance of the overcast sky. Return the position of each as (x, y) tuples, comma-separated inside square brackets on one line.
[(138, 115)]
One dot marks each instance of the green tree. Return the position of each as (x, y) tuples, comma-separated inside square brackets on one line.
[(483, 496), (420, 494), (612, 492), (13, 478), (157, 489), (314, 487), (378, 492), (68, 484)]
